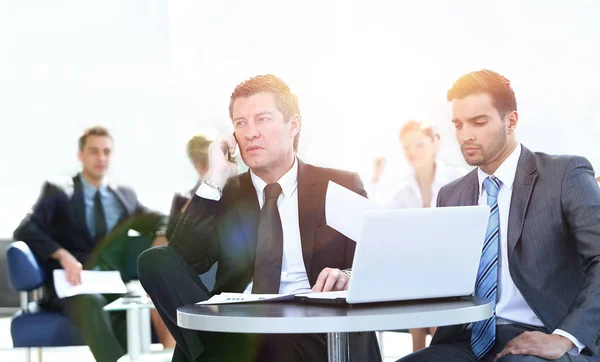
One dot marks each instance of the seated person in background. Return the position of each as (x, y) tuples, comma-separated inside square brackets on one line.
[(79, 224), (265, 228), (197, 150), (540, 263), (420, 143)]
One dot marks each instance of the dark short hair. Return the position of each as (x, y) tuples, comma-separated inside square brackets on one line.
[(93, 131), (285, 100), (489, 82)]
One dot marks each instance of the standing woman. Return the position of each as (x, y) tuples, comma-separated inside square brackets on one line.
[(420, 143)]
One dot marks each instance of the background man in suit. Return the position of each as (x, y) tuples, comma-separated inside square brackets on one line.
[(266, 228), (82, 223), (540, 261)]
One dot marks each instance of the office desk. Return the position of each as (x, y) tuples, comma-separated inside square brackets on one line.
[(335, 321)]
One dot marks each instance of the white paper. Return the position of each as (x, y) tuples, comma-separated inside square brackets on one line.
[(92, 282), (230, 298), (345, 210)]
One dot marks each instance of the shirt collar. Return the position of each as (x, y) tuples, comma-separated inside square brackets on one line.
[(288, 182), (91, 189), (505, 173)]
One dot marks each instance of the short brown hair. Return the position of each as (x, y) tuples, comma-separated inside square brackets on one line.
[(422, 126), (285, 100), (93, 131), (489, 82), (197, 148)]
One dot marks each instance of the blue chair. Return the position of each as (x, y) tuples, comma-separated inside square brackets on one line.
[(32, 327)]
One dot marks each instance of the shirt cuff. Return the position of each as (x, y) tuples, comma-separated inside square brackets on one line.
[(207, 192), (575, 351)]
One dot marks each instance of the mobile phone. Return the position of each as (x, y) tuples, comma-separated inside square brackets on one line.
[(229, 155)]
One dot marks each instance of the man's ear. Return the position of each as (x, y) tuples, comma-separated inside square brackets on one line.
[(512, 121), (295, 125)]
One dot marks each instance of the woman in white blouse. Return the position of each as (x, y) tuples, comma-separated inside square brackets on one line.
[(420, 143)]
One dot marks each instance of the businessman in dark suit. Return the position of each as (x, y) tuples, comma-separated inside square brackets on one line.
[(266, 228), (541, 259), (82, 223)]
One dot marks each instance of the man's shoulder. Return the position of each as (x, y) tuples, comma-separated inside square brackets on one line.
[(557, 163), (457, 184), (59, 184), (332, 174)]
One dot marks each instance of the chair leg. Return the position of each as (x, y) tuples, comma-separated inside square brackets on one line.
[(39, 354), (27, 354)]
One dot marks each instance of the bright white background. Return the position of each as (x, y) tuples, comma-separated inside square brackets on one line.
[(157, 71)]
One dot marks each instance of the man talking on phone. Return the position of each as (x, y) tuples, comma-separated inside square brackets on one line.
[(266, 229)]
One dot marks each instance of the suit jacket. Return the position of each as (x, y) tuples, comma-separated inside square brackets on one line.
[(226, 230), (57, 220), (553, 242)]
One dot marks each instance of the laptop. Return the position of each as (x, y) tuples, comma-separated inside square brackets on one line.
[(410, 254)]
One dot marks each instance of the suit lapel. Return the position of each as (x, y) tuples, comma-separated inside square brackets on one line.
[(248, 211), (308, 211), (78, 205), (129, 207), (521, 194), (470, 192)]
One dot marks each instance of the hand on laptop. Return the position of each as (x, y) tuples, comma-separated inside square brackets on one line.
[(331, 280)]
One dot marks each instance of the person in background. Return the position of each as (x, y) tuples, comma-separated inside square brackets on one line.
[(420, 143), (82, 223), (197, 150)]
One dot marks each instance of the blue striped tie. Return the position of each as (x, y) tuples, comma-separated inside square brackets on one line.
[(483, 335)]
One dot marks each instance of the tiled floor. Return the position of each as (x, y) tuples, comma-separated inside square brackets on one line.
[(395, 346)]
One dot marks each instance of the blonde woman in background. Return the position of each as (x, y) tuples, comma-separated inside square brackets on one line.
[(197, 150), (420, 143)]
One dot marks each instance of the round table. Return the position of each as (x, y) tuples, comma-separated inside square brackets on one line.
[(336, 321)]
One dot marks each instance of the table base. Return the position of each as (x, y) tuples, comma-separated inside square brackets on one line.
[(337, 347)]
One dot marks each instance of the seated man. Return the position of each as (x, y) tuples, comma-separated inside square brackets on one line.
[(540, 263), (82, 223), (266, 228)]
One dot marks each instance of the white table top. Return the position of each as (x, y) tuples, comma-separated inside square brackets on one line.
[(311, 318), (124, 303)]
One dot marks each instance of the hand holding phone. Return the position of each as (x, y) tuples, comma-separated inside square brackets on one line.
[(221, 161)]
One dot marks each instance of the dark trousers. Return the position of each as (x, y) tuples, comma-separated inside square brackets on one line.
[(460, 350), (104, 332), (172, 283)]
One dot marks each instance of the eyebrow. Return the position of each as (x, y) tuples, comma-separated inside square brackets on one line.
[(264, 113), (454, 120)]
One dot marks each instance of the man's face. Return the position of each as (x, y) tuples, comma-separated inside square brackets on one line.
[(95, 156), (265, 138), (482, 134)]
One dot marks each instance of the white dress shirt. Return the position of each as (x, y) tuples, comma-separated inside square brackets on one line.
[(293, 272), (409, 195), (511, 306)]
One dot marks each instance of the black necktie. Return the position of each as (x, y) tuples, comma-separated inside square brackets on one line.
[(269, 247), (99, 218)]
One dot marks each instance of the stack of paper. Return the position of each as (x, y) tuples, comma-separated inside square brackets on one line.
[(92, 282)]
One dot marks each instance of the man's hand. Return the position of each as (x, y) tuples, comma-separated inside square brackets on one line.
[(220, 169), (548, 346), (331, 280), (71, 266)]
